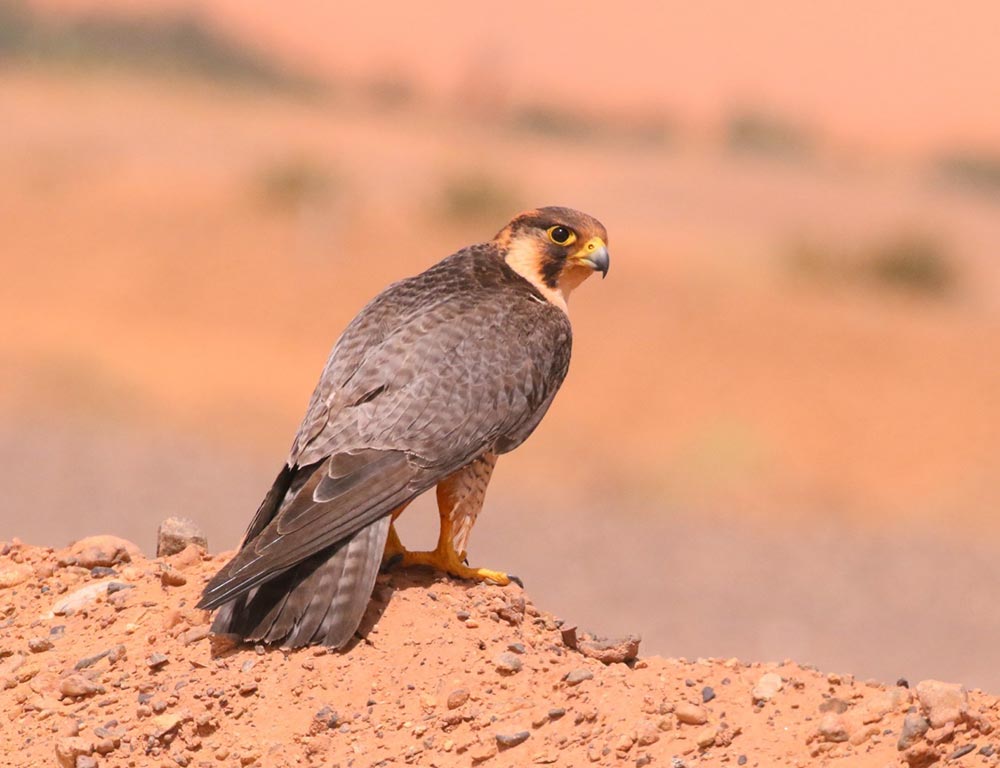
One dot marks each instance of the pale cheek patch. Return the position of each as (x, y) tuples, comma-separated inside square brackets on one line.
[(524, 260)]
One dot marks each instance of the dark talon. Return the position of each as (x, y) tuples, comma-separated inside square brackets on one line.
[(516, 580)]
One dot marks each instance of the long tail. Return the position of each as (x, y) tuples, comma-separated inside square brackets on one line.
[(320, 600)]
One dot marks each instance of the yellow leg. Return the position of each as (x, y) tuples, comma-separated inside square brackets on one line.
[(466, 486), (393, 546), (444, 558)]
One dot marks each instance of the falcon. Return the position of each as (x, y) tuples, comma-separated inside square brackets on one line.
[(434, 379)]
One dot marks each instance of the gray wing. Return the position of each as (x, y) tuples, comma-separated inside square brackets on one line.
[(430, 375), (321, 600)]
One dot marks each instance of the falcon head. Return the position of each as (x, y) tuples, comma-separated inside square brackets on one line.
[(555, 249)]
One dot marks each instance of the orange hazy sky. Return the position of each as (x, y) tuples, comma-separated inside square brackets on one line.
[(907, 76)]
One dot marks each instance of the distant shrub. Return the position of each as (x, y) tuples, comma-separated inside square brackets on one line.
[(974, 170), (911, 262), (478, 199), (297, 181), (16, 28), (767, 134), (164, 44), (554, 121), (907, 262), (390, 91), (561, 123), (648, 130)]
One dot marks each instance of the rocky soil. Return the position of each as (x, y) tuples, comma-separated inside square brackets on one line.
[(104, 661)]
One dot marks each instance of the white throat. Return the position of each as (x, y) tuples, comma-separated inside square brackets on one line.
[(524, 260)]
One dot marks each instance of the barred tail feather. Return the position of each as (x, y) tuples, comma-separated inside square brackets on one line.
[(321, 600)]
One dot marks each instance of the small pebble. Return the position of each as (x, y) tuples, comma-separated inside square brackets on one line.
[(175, 534), (987, 751), (508, 740), (577, 676), (105, 746), (457, 698), (195, 634), (942, 702), (741, 760), (507, 664), (914, 727), (690, 714), (647, 733), (156, 660), (328, 717), (76, 686), (707, 694), (171, 578), (516, 647), (40, 644), (705, 738), (482, 751), (833, 728), (961, 751), (11, 576), (164, 724), (767, 686), (624, 744), (91, 660)]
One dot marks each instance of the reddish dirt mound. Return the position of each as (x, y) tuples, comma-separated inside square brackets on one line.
[(104, 661)]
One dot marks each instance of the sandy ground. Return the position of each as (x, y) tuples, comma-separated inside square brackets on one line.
[(835, 594), (104, 662)]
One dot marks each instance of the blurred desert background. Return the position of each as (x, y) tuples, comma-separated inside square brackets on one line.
[(780, 435)]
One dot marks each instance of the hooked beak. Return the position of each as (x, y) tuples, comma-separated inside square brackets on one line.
[(595, 255)]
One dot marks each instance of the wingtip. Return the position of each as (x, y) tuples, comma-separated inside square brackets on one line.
[(219, 594), (205, 604)]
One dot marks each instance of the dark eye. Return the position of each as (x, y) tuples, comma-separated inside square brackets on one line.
[(561, 235)]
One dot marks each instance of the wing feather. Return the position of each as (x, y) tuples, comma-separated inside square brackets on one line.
[(318, 517), (435, 371)]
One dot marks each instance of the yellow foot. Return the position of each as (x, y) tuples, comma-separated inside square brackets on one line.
[(449, 562)]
